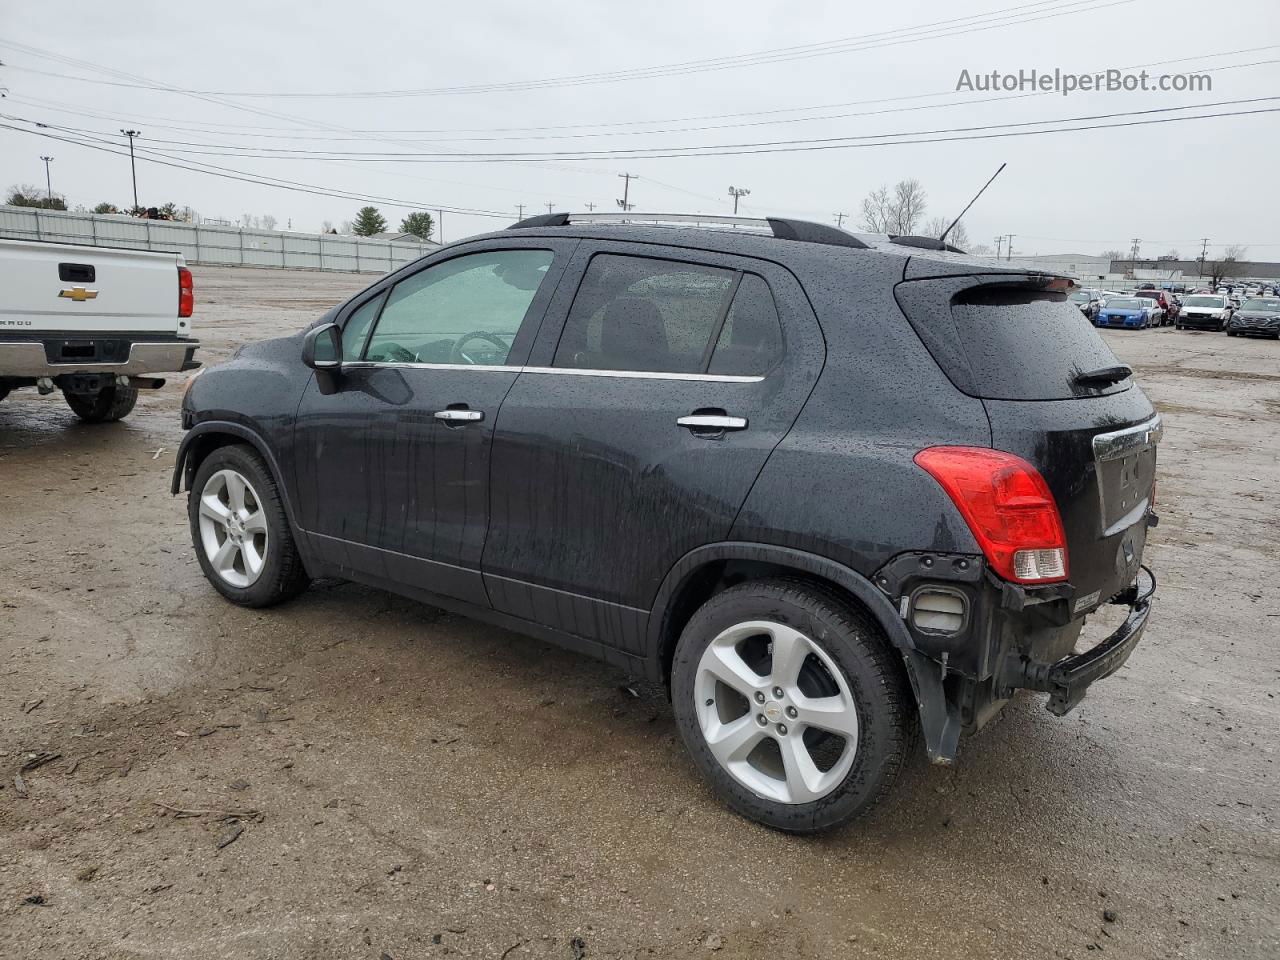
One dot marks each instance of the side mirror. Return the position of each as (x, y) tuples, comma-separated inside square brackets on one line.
[(322, 347)]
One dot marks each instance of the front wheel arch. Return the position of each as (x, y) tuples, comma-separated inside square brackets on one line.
[(204, 438)]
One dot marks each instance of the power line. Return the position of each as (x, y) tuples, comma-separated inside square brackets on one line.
[(958, 26), (243, 176), (977, 132), (290, 133)]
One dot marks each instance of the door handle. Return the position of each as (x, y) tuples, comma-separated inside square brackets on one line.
[(459, 416), (708, 422)]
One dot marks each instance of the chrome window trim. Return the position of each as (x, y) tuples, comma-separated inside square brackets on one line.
[(646, 375), (479, 367), (567, 371)]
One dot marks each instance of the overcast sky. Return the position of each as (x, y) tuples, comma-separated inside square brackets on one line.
[(1083, 191)]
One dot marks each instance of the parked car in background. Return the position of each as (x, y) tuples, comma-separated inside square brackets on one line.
[(1134, 313), (1259, 316), (96, 323), (1204, 312), (1157, 311), (637, 441), (1089, 302)]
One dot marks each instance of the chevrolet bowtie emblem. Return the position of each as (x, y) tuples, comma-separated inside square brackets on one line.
[(78, 294)]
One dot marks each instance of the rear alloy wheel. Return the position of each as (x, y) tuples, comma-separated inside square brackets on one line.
[(240, 530), (792, 704), (105, 406)]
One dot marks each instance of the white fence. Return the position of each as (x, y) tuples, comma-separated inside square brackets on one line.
[(216, 244)]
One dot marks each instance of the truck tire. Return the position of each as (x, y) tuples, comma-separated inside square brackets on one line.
[(792, 704), (240, 530), (105, 406)]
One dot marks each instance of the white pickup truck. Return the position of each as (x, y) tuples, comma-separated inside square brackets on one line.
[(96, 323)]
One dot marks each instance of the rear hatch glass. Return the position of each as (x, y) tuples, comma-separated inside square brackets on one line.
[(999, 340)]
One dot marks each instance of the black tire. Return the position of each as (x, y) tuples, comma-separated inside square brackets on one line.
[(283, 575), (1231, 333), (873, 672), (105, 406)]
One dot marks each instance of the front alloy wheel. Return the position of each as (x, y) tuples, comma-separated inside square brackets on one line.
[(233, 528), (240, 530)]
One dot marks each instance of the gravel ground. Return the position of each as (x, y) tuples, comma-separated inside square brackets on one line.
[(356, 775)]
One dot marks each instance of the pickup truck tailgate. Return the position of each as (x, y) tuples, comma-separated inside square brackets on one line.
[(58, 288)]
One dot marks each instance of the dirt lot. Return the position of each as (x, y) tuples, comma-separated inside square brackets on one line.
[(367, 777)]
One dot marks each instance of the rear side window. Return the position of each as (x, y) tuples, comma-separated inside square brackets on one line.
[(751, 341), (664, 316), (1007, 342)]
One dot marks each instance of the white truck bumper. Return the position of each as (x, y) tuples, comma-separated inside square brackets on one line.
[(30, 358)]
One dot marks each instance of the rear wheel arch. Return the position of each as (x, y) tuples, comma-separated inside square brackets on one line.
[(708, 570)]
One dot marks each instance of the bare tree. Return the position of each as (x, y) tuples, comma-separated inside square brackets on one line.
[(326, 227), (1114, 255), (910, 201), (1172, 255), (876, 210), (897, 212), (268, 221), (1235, 252), (958, 237), (980, 250)]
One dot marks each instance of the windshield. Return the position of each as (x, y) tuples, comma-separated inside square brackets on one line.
[(1080, 297), (1126, 303), (1217, 302), (1269, 306)]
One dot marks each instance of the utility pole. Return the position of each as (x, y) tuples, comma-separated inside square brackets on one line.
[(999, 245), (1204, 255), (840, 219), (132, 166), (440, 227), (1133, 258), (520, 211), (590, 206), (549, 206), (1008, 250), (626, 191), (737, 192), (48, 181)]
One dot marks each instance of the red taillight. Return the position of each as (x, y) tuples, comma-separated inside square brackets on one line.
[(186, 292), (1008, 507)]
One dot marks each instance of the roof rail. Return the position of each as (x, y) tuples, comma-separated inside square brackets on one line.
[(782, 228), (925, 243)]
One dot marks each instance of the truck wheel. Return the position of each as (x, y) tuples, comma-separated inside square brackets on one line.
[(240, 531), (105, 406), (792, 704)]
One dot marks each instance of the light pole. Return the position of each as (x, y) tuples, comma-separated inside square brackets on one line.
[(133, 169), (48, 180), (737, 192)]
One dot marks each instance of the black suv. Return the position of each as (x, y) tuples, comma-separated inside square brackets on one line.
[(835, 490)]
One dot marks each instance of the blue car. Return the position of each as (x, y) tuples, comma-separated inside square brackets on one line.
[(1135, 313)]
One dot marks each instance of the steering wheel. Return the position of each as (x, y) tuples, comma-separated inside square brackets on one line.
[(395, 353), (459, 355)]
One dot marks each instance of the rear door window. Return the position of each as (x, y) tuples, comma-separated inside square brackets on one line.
[(644, 314), (1008, 342)]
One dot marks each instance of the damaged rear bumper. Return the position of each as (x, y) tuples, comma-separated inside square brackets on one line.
[(1067, 679)]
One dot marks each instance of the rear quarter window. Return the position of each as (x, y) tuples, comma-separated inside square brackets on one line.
[(1007, 342)]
